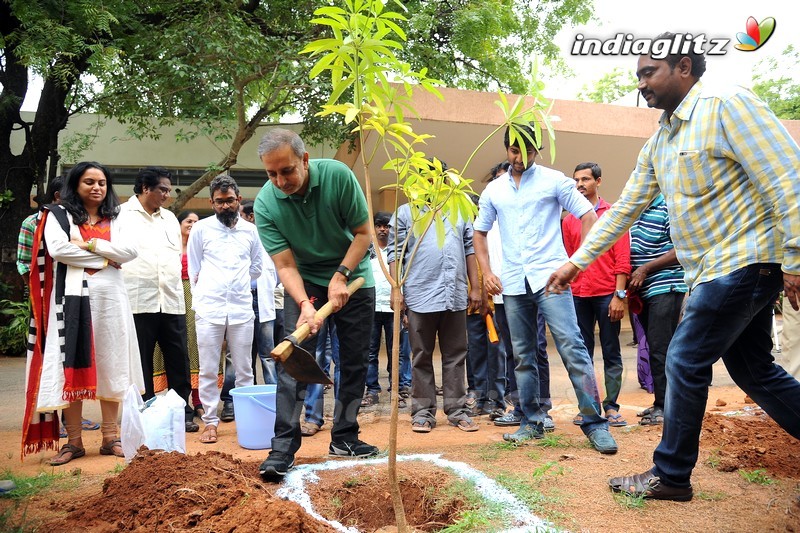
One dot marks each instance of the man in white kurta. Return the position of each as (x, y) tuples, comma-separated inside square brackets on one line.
[(224, 254)]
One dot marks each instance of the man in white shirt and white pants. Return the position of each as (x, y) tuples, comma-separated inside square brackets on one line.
[(224, 254)]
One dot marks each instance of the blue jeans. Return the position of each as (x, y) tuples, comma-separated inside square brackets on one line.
[(482, 364), (595, 309), (263, 343), (729, 317), (507, 358), (384, 323), (327, 351), (559, 313)]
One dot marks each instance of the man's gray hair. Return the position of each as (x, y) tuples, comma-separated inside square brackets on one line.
[(222, 183), (275, 138)]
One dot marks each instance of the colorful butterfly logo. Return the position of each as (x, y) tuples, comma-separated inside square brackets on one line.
[(758, 33)]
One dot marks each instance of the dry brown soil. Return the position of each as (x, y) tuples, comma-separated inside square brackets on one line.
[(217, 488)]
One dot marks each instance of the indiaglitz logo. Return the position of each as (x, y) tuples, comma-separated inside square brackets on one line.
[(758, 33), (658, 48)]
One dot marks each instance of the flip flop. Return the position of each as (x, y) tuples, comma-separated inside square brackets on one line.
[(464, 424), (88, 425), (616, 420), (421, 426), (61, 459), (209, 435)]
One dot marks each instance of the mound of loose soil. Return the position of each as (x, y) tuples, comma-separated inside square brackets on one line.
[(359, 497), (751, 442), (176, 492)]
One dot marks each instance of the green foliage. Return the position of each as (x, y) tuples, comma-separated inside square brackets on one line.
[(6, 197), (14, 334), (610, 87), (478, 513), (709, 496), (758, 476), (526, 489), (28, 486), (782, 94), (551, 440)]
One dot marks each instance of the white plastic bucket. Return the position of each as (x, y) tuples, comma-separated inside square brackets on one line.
[(255, 415)]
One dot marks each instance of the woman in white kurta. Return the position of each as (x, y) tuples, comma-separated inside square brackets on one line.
[(93, 252)]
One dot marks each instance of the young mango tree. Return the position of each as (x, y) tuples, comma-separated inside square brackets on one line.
[(372, 92)]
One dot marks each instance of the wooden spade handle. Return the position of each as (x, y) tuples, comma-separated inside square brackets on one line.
[(284, 349)]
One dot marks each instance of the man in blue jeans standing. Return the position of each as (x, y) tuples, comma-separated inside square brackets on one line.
[(384, 324), (527, 202), (728, 170)]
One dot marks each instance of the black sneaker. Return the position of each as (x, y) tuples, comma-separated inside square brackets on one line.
[(509, 419), (227, 414), (276, 464), (356, 448)]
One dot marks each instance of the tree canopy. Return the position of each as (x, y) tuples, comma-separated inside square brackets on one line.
[(610, 87), (225, 67), (781, 93)]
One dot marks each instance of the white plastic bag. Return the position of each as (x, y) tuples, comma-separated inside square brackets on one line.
[(164, 423), (132, 432), (159, 425)]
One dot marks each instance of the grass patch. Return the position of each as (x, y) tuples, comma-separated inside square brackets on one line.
[(479, 514), (527, 491), (629, 501), (710, 496), (119, 467), (758, 476), (714, 459), (551, 440), (28, 486)]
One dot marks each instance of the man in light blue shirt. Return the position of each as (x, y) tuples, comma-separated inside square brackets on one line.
[(527, 203)]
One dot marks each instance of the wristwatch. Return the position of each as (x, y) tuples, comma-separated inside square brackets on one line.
[(344, 271), (621, 294)]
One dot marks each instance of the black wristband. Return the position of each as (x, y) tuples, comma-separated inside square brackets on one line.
[(344, 271)]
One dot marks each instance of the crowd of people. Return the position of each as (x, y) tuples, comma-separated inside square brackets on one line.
[(699, 245)]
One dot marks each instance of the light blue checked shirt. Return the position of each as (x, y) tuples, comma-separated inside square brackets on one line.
[(728, 170)]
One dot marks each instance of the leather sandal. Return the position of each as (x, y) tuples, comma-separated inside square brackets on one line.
[(209, 435), (421, 425), (62, 458), (112, 447)]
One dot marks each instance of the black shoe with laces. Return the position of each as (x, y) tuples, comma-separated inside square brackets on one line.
[(356, 448), (276, 464)]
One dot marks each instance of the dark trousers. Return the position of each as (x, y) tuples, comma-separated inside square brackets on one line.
[(169, 331), (353, 327), (482, 365), (593, 310), (659, 317), (451, 329), (729, 317)]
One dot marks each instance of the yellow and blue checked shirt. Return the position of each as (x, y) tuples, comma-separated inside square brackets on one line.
[(728, 169)]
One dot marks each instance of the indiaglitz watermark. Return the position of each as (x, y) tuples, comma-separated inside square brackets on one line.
[(657, 48)]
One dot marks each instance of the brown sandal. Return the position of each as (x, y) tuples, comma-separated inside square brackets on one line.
[(464, 424), (62, 459), (209, 435), (112, 447)]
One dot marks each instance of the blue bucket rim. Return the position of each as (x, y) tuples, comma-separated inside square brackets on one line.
[(252, 390)]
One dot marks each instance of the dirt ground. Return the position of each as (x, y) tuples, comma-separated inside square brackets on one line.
[(217, 487)]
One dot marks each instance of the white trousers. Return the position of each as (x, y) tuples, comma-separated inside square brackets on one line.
[(209, 347), (790, 339)]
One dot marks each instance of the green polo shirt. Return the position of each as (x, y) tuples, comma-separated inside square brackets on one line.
[(318, 226)]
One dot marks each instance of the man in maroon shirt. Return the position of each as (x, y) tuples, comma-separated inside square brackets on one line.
[(599, 292)]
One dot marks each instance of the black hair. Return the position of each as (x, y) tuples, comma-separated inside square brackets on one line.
[(222, 183), (698, 59), (497, 168), (522, 130), (53, 186), (382, 218), (150, 177), (183, 214), (594, 167), (73, 203), (247, 207)]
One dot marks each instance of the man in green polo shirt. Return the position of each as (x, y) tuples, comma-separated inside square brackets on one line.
[(313, 220)]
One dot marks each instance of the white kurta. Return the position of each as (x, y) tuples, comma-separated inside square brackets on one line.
[(117, 359)]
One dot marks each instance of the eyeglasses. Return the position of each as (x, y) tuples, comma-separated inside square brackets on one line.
[(164, 190), (225, 201)]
